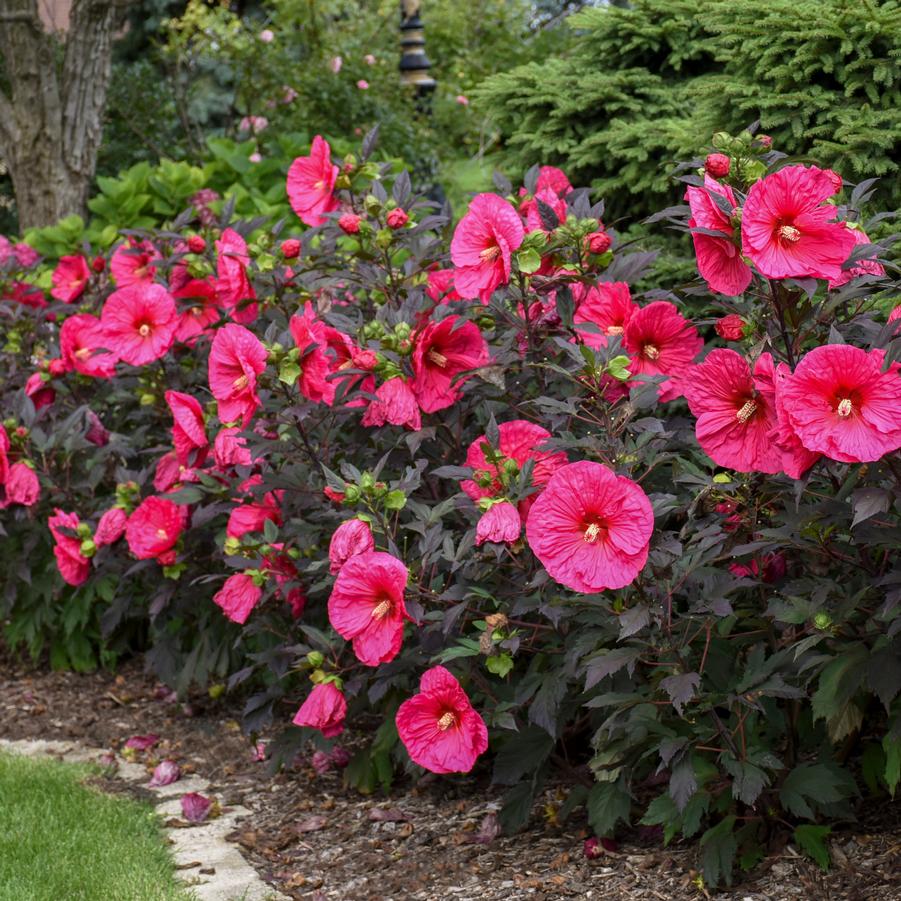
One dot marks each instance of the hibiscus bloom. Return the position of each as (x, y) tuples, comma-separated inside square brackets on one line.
[(70, 278), (482, 246), (24, 293), (111, 526), (394, 403), (439, 726), (22, 486), (352, 537), (591, 528), (311, 181), (324, 709), (170, 473), (796, 459), (199, 309), (154, 528), (719, 258), (440, 287), (532, 213), (4, 459), (442, 352), (252, 517), (39, 390), (840, 404), (860, 267), (73, 566), (735, 411), (230, 449), (520, 441), (238, 596), (233, 287), (345, 355), (500, 523), (188, 428), (138, 323), (661, 342), (787, 231), (132, 263), (309, 334), (236, 359), (367, 606), (609, 306), (80, 339)]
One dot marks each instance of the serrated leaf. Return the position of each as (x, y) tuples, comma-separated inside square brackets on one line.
[(811, 840), (867, 502), (522, 754), (681, 688), (607, 804), (718, 846), (815, 782)]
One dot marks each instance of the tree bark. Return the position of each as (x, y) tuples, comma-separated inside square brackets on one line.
[(51, 116)]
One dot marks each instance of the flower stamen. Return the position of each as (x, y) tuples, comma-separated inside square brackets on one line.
[(437, 358), (490, 254), (651, 352), (240, 383), (381, 610), (788, 233), (592, 533), (615, 329), (144, 330), (747, 411), (161, 534), (446, 721), (845, 408)]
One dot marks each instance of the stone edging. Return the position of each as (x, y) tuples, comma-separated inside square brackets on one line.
[(231, 878)]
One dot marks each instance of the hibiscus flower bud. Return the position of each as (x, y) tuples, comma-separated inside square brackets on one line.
[(324, 709), (349, 223), (717, 165), (196, 244), (56, 367), (765, 141), (592, 848), (731, 327), (98, 264), (501, 524), (598, 242), (97, 433), (290, 248), (397, 218)]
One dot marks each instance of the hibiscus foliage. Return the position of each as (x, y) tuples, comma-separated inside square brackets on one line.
[(469, 479)]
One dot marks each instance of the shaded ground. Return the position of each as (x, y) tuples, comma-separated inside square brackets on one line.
[(315, 840)]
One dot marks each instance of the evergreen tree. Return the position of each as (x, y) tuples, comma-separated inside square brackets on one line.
[(651, 83)]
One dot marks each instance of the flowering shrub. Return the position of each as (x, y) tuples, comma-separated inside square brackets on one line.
[(528, 516)]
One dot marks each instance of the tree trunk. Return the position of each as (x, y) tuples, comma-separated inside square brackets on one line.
[(51, 119)]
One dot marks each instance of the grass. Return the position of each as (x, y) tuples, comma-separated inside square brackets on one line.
[(61, 840)]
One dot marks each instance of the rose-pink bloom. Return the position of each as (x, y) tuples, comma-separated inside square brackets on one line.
[(840, 404), (40, 391), (717, 165), (73, 566), (198, 309), (335, 64), (363, 85), (735, 411), (24, 293), (719, 258), (367, 606), (97, 433), (311, 181), (443, 351), (439, 727), (483, 244), (500, 523), (324, 709), (236, 359), (154, 528), (26, 256), (796, 459), (80, 339), (397, 218), (609, 306), (532, 213), (22, 486), (70, 278), (132, 263), (111, 526), (138, 323), (441, 286), (230, 449), (169, 473), (188, 428), (591, 528), (252, 517), (309, 335), (395, 403), (661, 342), (233, 287), (195, 808), (238, 596), (352, 537), (860, 267), (731, 327), (787, 230)]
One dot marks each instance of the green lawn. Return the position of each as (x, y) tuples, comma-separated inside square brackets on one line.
[(63, 841)]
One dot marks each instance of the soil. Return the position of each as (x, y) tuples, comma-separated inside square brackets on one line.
[(314, 839)]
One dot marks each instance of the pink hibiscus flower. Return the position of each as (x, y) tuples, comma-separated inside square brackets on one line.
[(132, 263), (661, 342), (609, 306), (236, 359), (170, 473), (80, 338), (252, 517), (70, 278), (719, 258), (367, 606), (442, 352), (311, 181), (735, 411), (591, 528), (4, 451), (439, 727), (533, 215), (39, 390), (238, 596), (199, 309), (482, 246), (796, 459), (309, 334), (345, 355), (324, 709), (22, 486), (352, 537), (787, 231), (500, 523), (840, 404), (24, 293), (154, 528), (394, 403), (233, 287), (230, 449), (73, 566), (440, 286), (138, 323), (861, 267), (188, 428), (111, 526)]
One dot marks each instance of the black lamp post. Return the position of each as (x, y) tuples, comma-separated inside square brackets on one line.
[(414, 64)]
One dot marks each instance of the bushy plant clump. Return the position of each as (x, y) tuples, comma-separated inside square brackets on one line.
[(470, 479)]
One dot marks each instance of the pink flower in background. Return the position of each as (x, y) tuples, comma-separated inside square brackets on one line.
[(26, 256), (254, 124), (462, 99), (369, 59), (238, 597), (289, 95), (439, 726), (532, 213), (267, 36), (188, 428), (363, 85), (500, 523), (255, 157), (70, 278), (591, 528), (441, 286), (352, 537), (787, 229), (165, 773), (735, 411), (26, 294), (73, 566), (236, 359), (609, 306), (397, 218), (40, 391), (309, 335), (111, 526), (138, 323), (154, 528), (80, 339), (133, 263), (233, 287), (335, 64), (367, 606), (324, 709), (311, 181), (483, 244), (860, 267), (252, 517), (396, 404)]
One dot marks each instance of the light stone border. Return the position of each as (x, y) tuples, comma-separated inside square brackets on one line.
[(234, 878)]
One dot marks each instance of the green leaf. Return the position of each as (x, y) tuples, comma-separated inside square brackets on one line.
[(607, 804), (500, 665), (517, 806), (289, 371), (815, 782), (522, 754), (892, 748), (529, 261), (718, 848), (872, 766), (811, 840)]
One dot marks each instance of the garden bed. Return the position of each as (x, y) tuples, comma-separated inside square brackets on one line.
[(311, 838)]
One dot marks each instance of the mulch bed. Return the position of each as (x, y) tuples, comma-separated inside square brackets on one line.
[(313, 839)]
